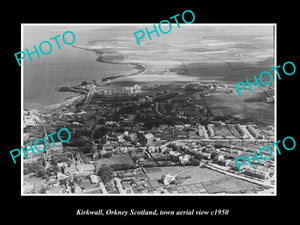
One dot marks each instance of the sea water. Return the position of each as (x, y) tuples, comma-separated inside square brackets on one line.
[(63, 67)]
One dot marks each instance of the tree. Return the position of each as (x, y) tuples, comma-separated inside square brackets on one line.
[(229, 157), (99, 133), (199, 157), (42, 191), (218, 145), (59, 158), (214, 155), (123, 166), (41, 161), (53, 169), (195, 162), (77, 142), (85, 149), (204, 150), (106, 173), (41, 171)]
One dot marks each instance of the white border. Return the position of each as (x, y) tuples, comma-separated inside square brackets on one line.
[(140, 24)]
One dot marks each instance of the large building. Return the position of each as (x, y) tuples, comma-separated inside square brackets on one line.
[(147, 139)]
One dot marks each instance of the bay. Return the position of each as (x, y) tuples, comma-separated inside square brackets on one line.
[(63, 67)]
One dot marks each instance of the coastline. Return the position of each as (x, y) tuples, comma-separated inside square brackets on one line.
[(80, 93), (67, 102), (101, 58)]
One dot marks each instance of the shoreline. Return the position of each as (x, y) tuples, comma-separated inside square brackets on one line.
[(81, 94), (100, 58), (67, 102)]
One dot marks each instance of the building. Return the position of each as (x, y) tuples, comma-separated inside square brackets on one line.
[(33, 153), (234, 167), (133, 137), (244, 132), (102, 187), (94, 179), (211, 130), (224, 162), (140, 135), (83, 169), (163, 126), (120, 138), (184, 159), (54, 149), (206, 155), (220, 157), (147, 139), (256, 173), (119, 186), (168, 179), (254, 131)]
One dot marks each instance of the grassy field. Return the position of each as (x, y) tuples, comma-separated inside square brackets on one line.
[(39, 183), (229, 185), (212, 181), (233, 105)]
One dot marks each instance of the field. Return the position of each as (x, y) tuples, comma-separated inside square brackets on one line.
[(39, 183), (117, 160), (227, 71), (233, 105), (203, 181)]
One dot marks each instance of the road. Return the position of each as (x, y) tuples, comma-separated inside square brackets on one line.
[(156, 108), (89, 94)]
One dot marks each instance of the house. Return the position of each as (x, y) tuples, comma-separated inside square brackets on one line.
[(224, 162), (107, 148), (133, 137), (206, 155), (54, 148), (184, 159), (220, 157), (83, 169), (70, 170), (61, 176), (119, 186), (61, 166), (163, 126), (256, 173), (211, 130), (233, 166), (94, 179), (182, 134), (192, 134), (120, 138), (179, 127), (147, 139), (174, 153), (127, 188), (34, 153), (140, 135), (102, 187), (130, 116)]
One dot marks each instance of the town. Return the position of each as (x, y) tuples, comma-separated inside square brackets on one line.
[(145, 139)]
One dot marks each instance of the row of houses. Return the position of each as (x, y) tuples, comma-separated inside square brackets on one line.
[(257, 172), (50, 150)]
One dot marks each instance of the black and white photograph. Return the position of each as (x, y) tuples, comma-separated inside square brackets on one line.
[(159, 117), (130, 113)]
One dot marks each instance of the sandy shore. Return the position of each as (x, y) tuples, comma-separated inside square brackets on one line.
[(66, 102)]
